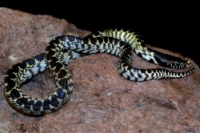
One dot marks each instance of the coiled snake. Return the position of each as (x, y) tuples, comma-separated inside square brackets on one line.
[(64, 48)]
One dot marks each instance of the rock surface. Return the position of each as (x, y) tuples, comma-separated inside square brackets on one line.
[(102, 101)]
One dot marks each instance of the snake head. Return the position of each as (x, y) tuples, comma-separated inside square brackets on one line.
[(166, 60), (170, 61)]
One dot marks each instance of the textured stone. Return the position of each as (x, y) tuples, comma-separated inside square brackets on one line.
[(102, 101)]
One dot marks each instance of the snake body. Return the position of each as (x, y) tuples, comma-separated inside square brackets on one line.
[(62, 49)]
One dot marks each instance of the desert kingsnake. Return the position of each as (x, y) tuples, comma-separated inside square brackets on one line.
[(64, 48)]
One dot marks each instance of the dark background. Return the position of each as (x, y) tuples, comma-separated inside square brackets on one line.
[(172, 26)]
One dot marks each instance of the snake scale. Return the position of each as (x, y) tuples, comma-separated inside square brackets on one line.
[(62, 49)]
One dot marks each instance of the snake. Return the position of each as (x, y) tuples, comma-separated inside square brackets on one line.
[(64, 48)]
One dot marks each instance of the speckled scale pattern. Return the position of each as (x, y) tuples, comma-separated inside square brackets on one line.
[(62, 49)]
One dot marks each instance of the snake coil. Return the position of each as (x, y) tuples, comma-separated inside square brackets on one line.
[(62, 49)]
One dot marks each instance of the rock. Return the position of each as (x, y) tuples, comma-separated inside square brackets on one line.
[(102, 101)]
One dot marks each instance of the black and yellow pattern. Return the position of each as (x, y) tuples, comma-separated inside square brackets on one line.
[(64, 48)]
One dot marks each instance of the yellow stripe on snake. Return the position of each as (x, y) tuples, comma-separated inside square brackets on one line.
[(62, 49)]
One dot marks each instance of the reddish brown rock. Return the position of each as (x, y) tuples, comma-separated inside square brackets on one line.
[(102, 101)]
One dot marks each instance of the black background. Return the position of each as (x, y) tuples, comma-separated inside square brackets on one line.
[(172, 26)]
